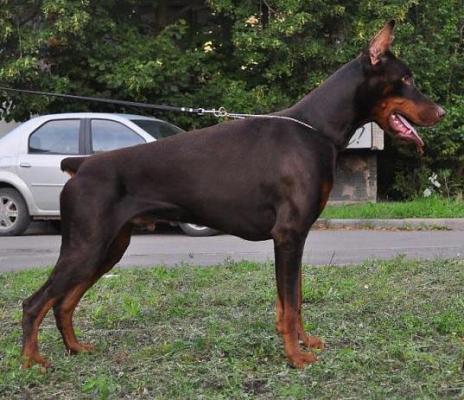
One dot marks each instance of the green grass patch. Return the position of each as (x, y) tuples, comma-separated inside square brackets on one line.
[(393, 330), (432, 207)]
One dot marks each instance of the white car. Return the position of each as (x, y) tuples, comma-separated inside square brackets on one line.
[(30, 156)]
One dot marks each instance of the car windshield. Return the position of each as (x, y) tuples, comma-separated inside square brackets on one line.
[(157, 129)]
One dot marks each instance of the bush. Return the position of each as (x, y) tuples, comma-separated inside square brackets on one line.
[(247, 56)]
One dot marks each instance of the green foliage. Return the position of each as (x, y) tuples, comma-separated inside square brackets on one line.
[(249, 56), (100, 386)]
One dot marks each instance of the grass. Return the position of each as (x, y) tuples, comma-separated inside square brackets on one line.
[(394, 330), (432, 207)]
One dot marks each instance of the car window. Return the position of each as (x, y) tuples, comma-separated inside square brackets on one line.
[(157, 129), (56, 137), (110, 135)]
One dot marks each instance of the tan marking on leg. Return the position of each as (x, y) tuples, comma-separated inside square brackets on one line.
[(30, 351), (279, 316), (65, 315), (69, 303), (295, 356)]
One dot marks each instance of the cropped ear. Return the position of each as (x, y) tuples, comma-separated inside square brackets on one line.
[(381, 42)]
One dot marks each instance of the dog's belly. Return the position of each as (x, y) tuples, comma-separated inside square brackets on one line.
[(246, 222), (231, 215)]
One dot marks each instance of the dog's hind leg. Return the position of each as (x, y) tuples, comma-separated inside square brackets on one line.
[(34, 310), (78, 267), (64, 309), (67, 271), (71, 269)]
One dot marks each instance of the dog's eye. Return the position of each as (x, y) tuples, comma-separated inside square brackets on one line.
[(408, 80)]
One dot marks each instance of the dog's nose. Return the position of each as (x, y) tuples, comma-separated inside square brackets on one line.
[(440, 112)]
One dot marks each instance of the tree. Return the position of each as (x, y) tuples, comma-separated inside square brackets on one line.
[(248, 56)]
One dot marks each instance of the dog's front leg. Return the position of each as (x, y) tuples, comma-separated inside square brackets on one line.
[(288, 253)]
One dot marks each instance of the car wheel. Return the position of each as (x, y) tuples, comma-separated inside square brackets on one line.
[(55, 226), (197, 230), (14, 216)]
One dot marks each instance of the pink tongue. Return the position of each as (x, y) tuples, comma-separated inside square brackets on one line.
[(410, 127)]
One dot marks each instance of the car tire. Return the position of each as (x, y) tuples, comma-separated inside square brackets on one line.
[(55, 226), (14, 215), (197, 230)]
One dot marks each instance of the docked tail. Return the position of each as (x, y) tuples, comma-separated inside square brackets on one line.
[(70, 165)]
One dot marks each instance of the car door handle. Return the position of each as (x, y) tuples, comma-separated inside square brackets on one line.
[(25, 165)]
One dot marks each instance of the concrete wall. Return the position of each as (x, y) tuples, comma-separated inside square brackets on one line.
[(356, 177)]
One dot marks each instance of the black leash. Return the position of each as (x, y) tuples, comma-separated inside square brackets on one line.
[(162, 107), (218, 113)]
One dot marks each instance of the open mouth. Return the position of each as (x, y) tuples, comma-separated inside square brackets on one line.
[(403, 129)]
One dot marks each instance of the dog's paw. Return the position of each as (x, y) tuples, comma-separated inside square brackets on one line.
[(81, 348), (312, 342), (301, 359), (35, 358)]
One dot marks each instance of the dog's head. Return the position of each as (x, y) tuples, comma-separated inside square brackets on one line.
[(395, 103)]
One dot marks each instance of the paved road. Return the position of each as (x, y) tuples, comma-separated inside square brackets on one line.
[(323, 247)]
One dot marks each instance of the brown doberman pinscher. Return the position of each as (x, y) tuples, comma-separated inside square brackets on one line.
[(257, 178)]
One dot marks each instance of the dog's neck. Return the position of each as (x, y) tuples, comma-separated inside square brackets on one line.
[(332, 108)]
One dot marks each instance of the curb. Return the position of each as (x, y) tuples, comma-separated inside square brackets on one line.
[(449, 224)]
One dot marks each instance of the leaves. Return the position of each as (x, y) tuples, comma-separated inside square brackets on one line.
[(244, 55)]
